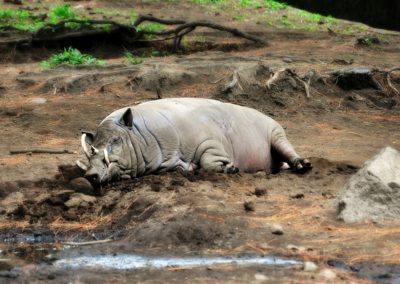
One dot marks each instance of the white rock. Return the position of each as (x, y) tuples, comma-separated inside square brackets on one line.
[(309, 266), (373, 193), (277, 229), (38, 101), (260, 277), (327, 274)]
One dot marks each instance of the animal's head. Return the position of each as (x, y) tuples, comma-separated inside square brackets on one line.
[(109, 151)]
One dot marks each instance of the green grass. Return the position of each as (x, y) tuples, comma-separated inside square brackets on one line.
[(132, 59), (239, 18), (208, 2), (61, 12), (150, 27), (19, 19), (250, 3), (275, 5), (71, 56)]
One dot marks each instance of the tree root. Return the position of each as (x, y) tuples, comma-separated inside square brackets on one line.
[(274, 77), (40, 151), (388, 73), (307, 84), (128, 33), (233, 83)]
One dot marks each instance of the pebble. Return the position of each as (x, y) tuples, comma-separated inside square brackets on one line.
[(38, 101), (249, 206), (309, 266), (80, 200), (260, 191), (296, 248), (260, 277), (277, 229), (328, 274)]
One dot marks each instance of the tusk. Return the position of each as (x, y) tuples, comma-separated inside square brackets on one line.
[(106, 158), (84, 146), (95, 150), (81, 165)]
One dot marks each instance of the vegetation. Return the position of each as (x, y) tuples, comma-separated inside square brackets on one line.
[(272, 13), (132, 59), (71, 56), (61, 12)]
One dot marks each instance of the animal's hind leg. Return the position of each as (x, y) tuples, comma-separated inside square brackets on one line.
[(283, 149), (214, 158)]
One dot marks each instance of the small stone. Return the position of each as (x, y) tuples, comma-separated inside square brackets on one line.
[(59, 197), (82, 185), (295, 248), (309, 266), (260, 277), (296, 195), (327, 274), (80, 200), (260, 191), (287, 60), (43, 197), (249, 206), (276, 229), (13, 204), (38, 101)]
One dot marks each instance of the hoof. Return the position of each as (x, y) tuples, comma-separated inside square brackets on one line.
[(300, 165)]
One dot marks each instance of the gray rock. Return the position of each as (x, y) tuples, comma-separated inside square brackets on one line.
[(373, 193), (355, 78), (82, 185)]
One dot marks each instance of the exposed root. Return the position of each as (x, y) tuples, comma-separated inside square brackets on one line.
[(305, 84), (40, 151), (128, 33), (388, 73), (234, 83), (88, 243), (274, 77)]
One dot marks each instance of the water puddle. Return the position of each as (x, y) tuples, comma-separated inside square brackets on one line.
[(128, 261)]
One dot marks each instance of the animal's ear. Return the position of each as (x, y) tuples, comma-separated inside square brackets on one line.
[(89, 137), (127, 118)]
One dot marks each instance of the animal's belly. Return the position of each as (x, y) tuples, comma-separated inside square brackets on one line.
[(252, 157)]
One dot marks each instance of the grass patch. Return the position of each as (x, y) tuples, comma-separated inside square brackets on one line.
[(208, 2), (19, 19), (61, 12), (275, 5), (150, 27), (250, 3), (71, 56), (239, 18), (132, 59)]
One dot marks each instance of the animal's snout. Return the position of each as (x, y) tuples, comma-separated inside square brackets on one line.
[(93, 177)]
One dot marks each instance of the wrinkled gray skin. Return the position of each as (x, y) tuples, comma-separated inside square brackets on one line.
[(185, 134)]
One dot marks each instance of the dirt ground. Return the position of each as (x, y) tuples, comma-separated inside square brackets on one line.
[(202, 214)]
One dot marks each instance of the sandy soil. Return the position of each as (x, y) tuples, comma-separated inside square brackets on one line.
[(202, 214)]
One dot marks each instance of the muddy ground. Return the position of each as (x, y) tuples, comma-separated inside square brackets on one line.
[(202, 214)]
